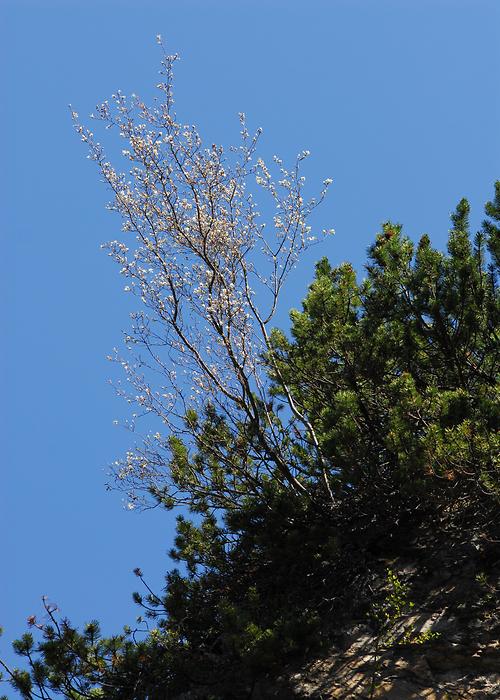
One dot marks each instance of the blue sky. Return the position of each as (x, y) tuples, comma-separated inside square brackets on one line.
[(397, 101)]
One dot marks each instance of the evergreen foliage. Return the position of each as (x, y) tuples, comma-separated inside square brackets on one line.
[(398, 375)]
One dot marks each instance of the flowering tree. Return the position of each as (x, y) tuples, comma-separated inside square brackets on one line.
[(209, 273)]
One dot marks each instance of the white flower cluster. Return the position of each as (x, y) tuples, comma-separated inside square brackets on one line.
[(199, 257)]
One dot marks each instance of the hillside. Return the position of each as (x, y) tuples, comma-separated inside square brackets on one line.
[(456, 597)]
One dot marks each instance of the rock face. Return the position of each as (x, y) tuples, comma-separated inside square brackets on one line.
[(440, 672), (452, 651)]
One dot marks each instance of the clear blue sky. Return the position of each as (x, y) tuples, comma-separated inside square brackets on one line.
[(397, 101)]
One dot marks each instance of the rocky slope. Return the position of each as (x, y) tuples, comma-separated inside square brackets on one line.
[(446, 646)]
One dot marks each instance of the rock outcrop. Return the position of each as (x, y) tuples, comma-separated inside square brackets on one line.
[(452, 651)]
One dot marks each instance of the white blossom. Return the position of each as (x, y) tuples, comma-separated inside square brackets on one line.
[(197, 252)]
